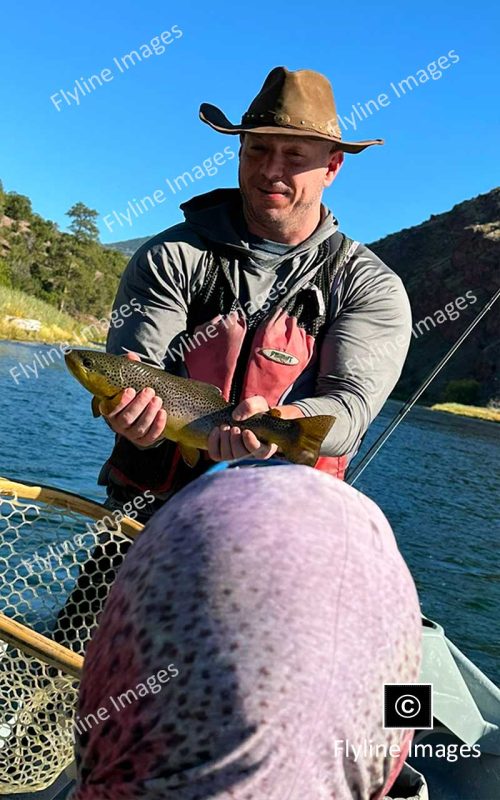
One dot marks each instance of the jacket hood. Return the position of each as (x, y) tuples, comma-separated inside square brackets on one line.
[(218, 217)]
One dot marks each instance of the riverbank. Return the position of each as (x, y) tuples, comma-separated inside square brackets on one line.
[(477, 412), (27, 319)]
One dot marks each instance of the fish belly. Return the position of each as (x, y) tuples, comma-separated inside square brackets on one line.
[(195, 432)]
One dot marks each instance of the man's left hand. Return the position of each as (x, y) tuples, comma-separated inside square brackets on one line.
[(227, 442)]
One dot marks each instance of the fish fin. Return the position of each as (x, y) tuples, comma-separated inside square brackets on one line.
[(305, 445), (191, 455), (96, 411), (108, 404), (274, 412)]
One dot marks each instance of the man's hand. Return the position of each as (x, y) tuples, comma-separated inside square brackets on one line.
[(138, 416), (229, 442)]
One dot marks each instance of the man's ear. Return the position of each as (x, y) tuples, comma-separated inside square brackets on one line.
[(334, 164), (338, 158)]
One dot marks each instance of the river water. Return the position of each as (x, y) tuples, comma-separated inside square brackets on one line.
[(436, 480)]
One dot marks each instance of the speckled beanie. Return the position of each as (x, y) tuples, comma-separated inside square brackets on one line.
[(244, 648)]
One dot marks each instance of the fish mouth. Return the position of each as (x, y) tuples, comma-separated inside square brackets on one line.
[(73, 361), (89, 376)]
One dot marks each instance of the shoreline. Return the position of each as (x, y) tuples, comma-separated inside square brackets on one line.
[(30, 320), (58, 343), (462, 410)]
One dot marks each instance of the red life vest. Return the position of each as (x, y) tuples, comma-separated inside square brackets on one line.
[(280, 351), (262, 354)]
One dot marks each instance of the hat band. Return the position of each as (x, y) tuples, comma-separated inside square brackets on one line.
[(282, 120)]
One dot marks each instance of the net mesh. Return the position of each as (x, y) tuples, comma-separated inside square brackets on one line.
[(57, 567)]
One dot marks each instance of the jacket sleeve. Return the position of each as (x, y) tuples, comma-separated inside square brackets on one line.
[(150, 308), (363, 352)]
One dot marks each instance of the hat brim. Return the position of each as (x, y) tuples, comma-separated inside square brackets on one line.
[(217, 120)]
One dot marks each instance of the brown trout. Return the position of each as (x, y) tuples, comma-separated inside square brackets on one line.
[(193, 408)]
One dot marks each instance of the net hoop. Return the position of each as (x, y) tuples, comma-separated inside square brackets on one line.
[(59, 554)]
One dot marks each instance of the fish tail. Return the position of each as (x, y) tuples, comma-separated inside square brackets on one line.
[(304, 446)]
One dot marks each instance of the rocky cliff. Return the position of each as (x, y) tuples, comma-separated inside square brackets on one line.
[(445, 263)]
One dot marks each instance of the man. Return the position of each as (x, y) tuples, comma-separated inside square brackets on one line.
[(260, 294)]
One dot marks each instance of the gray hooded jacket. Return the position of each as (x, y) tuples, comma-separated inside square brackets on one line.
[(362, 353)]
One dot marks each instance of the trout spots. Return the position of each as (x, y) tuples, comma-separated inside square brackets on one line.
[(194, 408)]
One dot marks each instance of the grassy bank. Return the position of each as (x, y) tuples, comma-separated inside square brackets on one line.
[(55, 325), (477, 412)]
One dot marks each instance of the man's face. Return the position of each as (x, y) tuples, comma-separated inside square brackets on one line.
[(282, 178)]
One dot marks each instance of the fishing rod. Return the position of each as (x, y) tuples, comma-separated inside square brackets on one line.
[(379, 443)]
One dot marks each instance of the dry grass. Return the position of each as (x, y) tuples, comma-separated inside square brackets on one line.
[(477, 412), (55, 325)]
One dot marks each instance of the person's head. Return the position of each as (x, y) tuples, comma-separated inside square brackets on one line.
[(282, 179), (292, 149), (269, 623)]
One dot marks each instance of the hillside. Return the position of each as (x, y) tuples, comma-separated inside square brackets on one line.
[(72, 272), (445, 263), (129, 246), (440, 261)]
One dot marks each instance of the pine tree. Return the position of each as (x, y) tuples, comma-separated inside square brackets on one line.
[(83, 222), (64, 267)]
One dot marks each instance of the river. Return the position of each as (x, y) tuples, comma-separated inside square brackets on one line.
[(436, 480)]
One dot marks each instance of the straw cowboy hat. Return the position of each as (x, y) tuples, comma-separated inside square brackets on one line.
[(299, 103)]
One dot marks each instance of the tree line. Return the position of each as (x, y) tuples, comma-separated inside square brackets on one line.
[(71, 271)]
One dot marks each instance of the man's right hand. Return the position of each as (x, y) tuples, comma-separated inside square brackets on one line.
[(138, 416)]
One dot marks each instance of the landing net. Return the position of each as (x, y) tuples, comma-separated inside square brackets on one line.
[(57, 566)]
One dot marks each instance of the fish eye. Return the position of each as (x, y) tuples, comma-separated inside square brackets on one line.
[(87, 363)]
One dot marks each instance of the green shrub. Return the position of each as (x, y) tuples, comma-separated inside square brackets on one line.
[(5, 276), (463, 390), (17, 206)]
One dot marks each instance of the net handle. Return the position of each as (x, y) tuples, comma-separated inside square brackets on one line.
[(63, 499), (35, 644)]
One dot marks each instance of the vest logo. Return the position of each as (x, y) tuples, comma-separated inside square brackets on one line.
[(280, 356)]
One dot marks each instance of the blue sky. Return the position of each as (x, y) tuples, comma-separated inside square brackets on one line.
[(141, 127)]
